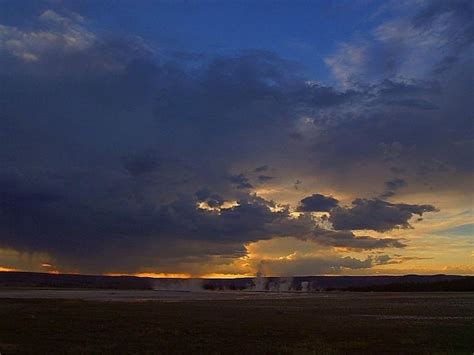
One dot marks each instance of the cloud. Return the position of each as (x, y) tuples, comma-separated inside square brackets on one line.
[(144, 163), (376, 215), (297, 183), (406, 46), (264, 178), (115, 187), (392, 186), (58, 35), (397, 170), (459, 230), (411, 94), (347, 239), (240, 181), (212, 200), (18, 196), (313, 265), (96, 236), (314, 95), (261, 169), (317, 203), (109, 146), (59, 42), (395, 184)]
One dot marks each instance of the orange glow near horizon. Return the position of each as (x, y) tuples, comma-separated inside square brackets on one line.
[(163, 275), (155, 275), (225, 276)]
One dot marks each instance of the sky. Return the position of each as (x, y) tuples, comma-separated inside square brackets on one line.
[(235, 138)]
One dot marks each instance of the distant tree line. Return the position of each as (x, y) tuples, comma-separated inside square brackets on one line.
[(465, 284)]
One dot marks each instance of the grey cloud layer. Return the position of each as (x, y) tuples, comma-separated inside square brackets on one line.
[(107, 146)]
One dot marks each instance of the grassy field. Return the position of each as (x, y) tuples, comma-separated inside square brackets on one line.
[(328, 323)]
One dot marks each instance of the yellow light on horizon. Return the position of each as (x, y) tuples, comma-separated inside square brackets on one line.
[(225, 276), (155, 275)]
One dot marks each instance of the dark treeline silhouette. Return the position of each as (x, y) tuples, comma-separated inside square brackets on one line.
[(464, 284), (36, 279), (408, 283)]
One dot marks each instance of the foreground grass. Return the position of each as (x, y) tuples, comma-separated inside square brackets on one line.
[(332, 323)]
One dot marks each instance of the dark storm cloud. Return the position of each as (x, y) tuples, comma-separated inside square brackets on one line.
[(403, 131), (15, 197), (229, 97), (107, 143), (251, 219), (317, 203), (134, 139), (96, 236), (376, 215)]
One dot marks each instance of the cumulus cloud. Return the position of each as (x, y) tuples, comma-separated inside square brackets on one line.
[(376, 215), (317, 203)]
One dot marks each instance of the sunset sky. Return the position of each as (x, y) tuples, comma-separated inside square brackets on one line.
[(229, 138)]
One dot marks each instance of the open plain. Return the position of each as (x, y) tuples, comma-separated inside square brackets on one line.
[(41, 321)]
